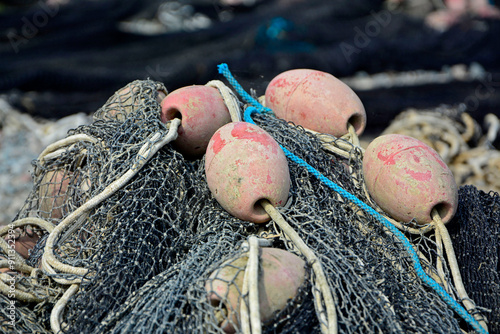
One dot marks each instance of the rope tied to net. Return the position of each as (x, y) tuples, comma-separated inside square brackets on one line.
[(230, 100), (257, 108), (250, 315), (49, 261), (22, 294), (444, 238)]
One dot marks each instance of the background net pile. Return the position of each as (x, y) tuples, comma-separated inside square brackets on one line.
[(151, 247)]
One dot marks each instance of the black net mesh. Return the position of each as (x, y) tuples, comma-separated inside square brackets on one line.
[(476, 238), (148, 254)]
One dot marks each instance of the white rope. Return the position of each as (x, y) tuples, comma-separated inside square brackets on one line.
[(439, 261), (253, 284), (455, 271), (493, 124), (245, 325), (19, 262), (5, 288), (47, 268), (55, 149), (28, 221), (353, 136), (230, 100), (250, 315), (56, 314)]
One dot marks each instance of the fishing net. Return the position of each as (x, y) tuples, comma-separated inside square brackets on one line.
[(131, 240), (478, 248)]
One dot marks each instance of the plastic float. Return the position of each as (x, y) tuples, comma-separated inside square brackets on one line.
[(408, 179), (279, 280), (244, 164), (317, 101), (202, 111)]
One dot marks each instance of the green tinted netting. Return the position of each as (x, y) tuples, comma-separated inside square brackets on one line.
[(131, 239)]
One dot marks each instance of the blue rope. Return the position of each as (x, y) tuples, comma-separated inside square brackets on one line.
[(224, 70)]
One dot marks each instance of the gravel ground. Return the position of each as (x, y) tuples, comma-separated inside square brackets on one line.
[(22, 139)]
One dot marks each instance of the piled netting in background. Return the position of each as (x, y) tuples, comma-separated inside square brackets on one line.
[(142, 258)]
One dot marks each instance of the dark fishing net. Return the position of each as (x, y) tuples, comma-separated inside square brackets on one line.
[(332, 36), (369, 264), (475, 232), (27, 317), (145, 257)]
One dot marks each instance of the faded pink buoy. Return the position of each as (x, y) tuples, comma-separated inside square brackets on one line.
[(408, 179), (317, 101), (57, 189), (53, 195), (127, 101), (243, 165), (201, 110), (280, 278)]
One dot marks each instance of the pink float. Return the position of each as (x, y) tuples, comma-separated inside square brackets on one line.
[(243, 165), (280, 278), (317, 101), (408, 179), (125, 102), (201, 110), (53, 193)]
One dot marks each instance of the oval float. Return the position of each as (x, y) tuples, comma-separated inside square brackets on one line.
[(127, 101), (281, 275), (243, 165), (57, 189), (317, 101), (202, 111), (53, 195), (408, 179)]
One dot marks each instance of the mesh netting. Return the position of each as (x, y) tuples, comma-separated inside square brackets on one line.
[(141, 254), (475, 234)]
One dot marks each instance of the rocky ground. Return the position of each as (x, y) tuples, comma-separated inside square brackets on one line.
[(22, 139)]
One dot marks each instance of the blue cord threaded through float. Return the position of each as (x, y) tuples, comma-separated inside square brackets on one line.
[(258, 108)]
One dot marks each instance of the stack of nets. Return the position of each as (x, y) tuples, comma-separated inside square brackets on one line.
[(130, 234)]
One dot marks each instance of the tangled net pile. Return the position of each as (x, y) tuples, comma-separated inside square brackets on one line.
[(131, 245)]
